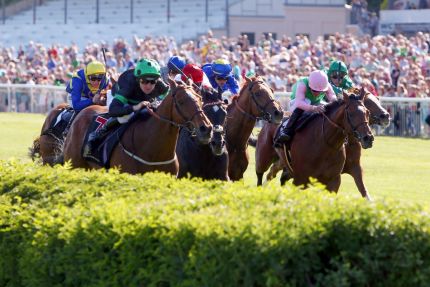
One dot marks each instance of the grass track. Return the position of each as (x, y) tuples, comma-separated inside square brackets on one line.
[(397, 168)]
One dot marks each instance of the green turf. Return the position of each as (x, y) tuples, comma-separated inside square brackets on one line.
[(17, 133), (397, 168)]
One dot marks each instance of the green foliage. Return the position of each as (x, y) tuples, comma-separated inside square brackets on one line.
[(61, 227)]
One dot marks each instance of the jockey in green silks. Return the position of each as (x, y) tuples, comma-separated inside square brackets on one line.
[(338, 77)]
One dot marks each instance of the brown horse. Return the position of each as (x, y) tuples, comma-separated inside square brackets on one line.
[(255, 101), (146, 145), (47, 146), (318, 151), (265, 154)]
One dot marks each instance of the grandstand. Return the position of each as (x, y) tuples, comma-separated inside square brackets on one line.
[(81, 21)]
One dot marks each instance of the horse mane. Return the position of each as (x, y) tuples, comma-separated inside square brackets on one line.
[(243, 87), (329, 108)]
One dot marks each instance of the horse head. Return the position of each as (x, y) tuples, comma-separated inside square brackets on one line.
[(357, 118), (263, 100), (188, 111), (378, 115), (216, 112)]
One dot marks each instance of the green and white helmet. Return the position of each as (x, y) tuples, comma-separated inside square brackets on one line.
[(148, 69), (339, 67)]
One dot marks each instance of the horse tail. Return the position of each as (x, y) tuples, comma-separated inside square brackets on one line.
[(252, 141), (34, 150)]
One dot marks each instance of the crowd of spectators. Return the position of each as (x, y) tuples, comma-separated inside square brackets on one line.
[(387, 65)]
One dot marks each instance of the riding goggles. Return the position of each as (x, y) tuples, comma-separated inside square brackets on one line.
[(145, 81), (336, 76), (96, 78), (220, 78)]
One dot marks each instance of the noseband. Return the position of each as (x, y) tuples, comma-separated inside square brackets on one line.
[(348, 119)]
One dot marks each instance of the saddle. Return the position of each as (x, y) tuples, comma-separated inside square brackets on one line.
[(304, 119), (103, 150), (60, 125)]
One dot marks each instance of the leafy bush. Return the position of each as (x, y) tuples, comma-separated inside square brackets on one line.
[(61, 227)]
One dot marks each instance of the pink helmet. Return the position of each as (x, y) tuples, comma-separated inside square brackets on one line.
[(318, 81)]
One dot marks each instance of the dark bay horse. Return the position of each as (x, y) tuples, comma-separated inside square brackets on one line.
[(255, 101), (266, 155), (146, 145), (48, 146), (318, 150), (207, 161)]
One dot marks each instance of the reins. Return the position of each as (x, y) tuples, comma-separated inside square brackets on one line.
[(161, 118)]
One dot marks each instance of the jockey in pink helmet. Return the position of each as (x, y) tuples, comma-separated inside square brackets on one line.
[(307, 95)]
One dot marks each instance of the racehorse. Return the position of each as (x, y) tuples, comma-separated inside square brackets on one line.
[(318, 150), (48, 146), (146, 145), (208, 161), (266, 155), (255, 101)]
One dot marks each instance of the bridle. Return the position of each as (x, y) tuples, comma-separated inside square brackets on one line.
[(347, 118), (217, 128), (187, 122), (263, 114)]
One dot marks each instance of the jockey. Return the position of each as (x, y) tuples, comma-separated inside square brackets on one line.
[(173, 69), (135, 89), (88, 86), (338, 77), (220, 76), (196, 74), (307, 95)]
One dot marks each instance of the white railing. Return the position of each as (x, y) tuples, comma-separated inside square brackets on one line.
[(26, 98), (408, 114)]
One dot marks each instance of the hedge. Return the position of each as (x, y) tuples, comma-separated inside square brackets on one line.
[(62, 227)]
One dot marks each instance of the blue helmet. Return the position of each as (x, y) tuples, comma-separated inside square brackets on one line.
[(221, 68), (176, 64)]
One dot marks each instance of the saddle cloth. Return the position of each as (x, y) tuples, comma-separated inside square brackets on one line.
[(103, 149)]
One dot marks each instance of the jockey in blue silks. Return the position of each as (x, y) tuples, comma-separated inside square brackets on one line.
[(220, 76), (87, 86)]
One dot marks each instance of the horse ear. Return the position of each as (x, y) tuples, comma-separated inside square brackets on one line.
[(345, 96), (362, 93), (247, 79), (172, 83)]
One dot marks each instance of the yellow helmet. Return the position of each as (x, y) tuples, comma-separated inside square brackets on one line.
[(95, 68)]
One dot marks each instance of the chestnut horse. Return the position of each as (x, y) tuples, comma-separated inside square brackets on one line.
[(48, 147), (265, 153), (318, 150), (146, 145), (255, 101)]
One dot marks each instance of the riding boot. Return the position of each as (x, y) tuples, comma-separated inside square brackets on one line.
[(99, 134), (286, 133)]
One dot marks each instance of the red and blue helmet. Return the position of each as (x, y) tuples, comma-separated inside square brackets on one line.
[(176, 64), (221, 68)]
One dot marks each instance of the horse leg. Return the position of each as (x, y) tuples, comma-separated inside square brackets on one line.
[(238, 162), (285, 176), (264, 156), (274, 169), (352, 167), (334, 184), (259, 178), (357, 175)]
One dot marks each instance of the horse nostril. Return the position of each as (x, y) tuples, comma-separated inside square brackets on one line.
[(277, 113)]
